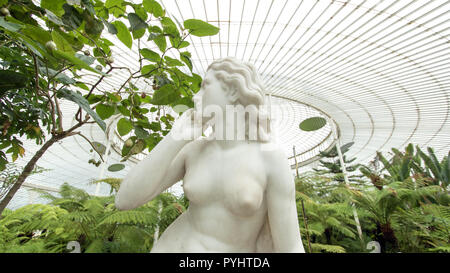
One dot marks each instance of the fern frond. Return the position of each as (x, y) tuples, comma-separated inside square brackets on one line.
[(130, 217), (327, 248)]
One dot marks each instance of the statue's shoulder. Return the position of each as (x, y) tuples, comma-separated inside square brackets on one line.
[(272, 151), (196, 144), (275, 158)]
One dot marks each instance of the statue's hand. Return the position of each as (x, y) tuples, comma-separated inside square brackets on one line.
[(188, 126)]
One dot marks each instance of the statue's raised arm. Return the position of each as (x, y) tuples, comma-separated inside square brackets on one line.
[(151, 176)]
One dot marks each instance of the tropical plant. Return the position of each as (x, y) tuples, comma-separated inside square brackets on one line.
[(328, 216), (330, 165), (404, 200), (50, 53), (93, 222)]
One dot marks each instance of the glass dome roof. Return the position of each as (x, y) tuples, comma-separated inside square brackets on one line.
[(379, 69)]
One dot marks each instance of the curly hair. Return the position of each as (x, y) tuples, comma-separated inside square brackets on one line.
[(242, 82)]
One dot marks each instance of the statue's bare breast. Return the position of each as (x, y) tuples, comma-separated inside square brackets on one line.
[(226, 190)]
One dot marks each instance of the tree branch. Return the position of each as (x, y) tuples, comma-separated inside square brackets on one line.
[(92, 145)]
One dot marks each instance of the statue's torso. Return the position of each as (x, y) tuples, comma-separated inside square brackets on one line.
[(226, 190)]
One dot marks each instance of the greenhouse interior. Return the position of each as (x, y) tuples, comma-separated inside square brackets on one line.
[(357, 93)]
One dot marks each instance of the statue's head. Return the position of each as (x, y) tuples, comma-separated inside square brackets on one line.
[(230, 82)]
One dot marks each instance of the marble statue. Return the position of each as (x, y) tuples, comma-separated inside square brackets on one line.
[(240, 187)]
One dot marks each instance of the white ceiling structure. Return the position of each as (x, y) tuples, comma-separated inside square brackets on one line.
[(379, 69)]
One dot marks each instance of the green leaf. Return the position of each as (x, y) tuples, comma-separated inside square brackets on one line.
[(56, 6), (138, 147), (104, 111), (71, 17), (165, 95), (36, 33), (138, 33), (115, 7), (99, 148), (313, 124), (84, 104), (62, 43), (82, 86), (147, 69), (63, 78), (161, 42), (196, 82), (155, 29), (185, 101), (9, 26), (136, 23), (169, 27), (150, 55), (116, 167), (199, 28), (172, 61), (92, 27), (87, 59), (140, 11), (140, 132), (124, 126), (111, 28), (11, 80), (186, 58), (74, 60), (123, 33), (153, 7)]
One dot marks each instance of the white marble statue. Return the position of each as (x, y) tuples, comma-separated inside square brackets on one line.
[(240, 188)]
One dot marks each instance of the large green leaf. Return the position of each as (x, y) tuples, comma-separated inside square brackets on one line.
[(199, 28), (165, 95), (92, 27), (172, 61), (56, 6), (137, 34), (313, 124), (71, 17), (123, 33), (74, 60), (169, 27), (140, 132), (37, 34), (153, 7), (124, 126), (61, 43), (83, 103), (150, 55), (115, 7), (147, 69), (104, 111), (136, 23), (11, 80), (9, 26), (186, 58), (111, 28), (160, 41)]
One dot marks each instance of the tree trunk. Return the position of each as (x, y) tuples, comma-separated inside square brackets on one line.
[(27, 171), (328, 235)]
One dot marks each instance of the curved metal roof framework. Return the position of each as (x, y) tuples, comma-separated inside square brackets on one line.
[(379, 69)]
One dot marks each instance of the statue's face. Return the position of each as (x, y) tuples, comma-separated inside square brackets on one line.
[(211, 93)]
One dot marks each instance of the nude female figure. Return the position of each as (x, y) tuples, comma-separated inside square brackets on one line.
[(242, 197)]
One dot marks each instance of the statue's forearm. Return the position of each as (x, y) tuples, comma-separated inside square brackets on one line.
[(146, 179)]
